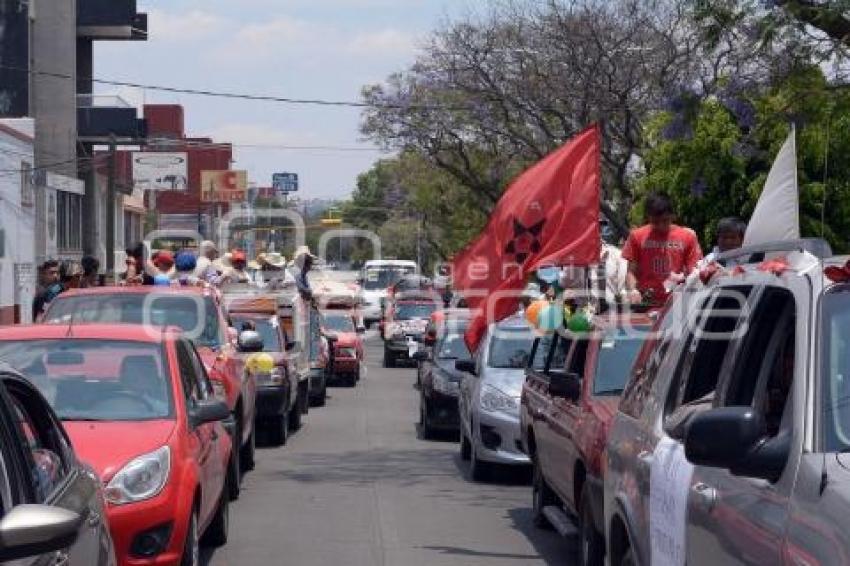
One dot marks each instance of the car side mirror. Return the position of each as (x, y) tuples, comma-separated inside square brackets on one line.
[(733, 438), (208, 411), (565, 385), (250, 341), (466, 366), (31, 530)]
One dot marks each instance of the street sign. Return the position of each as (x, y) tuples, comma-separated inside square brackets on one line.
[(160, 171), (285, 182), (223, 186)]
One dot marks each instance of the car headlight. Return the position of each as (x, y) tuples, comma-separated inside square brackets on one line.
[(218, 390), (141, 479), (444, 385), (494, 401), (347, 352), (274, 377)]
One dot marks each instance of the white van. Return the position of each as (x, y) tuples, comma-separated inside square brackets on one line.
[(376, 277)]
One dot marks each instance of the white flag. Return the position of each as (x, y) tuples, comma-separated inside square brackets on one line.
[(777, 213)]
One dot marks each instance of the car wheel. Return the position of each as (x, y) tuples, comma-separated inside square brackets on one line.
[(478, 469), (295, 414), (322, 399), (542, 496), (247, 454), (279, 430), (389, 360), (191, 547), (216, 533), (591, 543), (424, 427), (465, 447), (628, 558)]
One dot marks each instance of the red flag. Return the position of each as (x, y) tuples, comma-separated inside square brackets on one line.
[(549, 216)]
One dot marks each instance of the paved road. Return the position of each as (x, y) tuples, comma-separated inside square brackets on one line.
[(357, 487)]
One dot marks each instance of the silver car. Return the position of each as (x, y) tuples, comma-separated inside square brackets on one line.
[(730, 444), (51, 506), (489, 398)]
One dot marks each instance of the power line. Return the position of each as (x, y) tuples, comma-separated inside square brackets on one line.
[(234, 95)]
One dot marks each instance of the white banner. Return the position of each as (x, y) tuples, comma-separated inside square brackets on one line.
[(669, 486), (160, 171)]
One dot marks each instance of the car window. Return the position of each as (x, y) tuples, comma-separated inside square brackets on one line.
[(267, 328), (551, 349), (835, 369), (188, 377), (95, 380), (708, 343), (47, 452), (578, 356), (510, 349), (204, 384), (617, 352), (410, 311), (196, 315), (339, 322), (453, 346)]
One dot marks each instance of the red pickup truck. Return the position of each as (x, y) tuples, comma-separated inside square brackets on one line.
[(569, 399)]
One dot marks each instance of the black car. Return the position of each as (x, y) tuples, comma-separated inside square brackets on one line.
[(51, 505), (439, 381)]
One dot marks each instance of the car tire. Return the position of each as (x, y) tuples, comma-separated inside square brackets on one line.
[(424, 428), (217, 531), (591, 543), (478, 469), (279, 429), (192, 544), (322, 399), (248, 452), (389, 359), (542, 496), (465, 447), (295, 413)]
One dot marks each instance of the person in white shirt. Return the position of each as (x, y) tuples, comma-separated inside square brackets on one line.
[(207, 254)]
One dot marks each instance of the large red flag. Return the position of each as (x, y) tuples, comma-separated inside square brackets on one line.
[(549, 216)]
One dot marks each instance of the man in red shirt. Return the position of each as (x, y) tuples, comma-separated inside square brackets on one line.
[(659, 250)]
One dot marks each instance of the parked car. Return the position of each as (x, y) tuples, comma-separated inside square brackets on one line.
[(729, 443), (52, 506), (568, 402), (404, 323), (440, 379), (260, 331), (199, 313), (310, 354), (490, 395), (140, 408), (347, 357)]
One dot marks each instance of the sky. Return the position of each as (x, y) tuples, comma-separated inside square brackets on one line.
[(327, 49)]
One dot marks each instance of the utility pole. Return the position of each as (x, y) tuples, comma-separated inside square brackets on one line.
[(110, 209)]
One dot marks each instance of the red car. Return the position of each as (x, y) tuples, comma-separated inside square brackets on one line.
[(140, 409), (347, 351), (569, 399), (199, 313)]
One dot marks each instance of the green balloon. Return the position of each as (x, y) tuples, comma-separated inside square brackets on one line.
[(579, 323), (550, 317)]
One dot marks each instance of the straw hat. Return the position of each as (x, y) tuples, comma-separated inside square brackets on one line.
[(274, 259)]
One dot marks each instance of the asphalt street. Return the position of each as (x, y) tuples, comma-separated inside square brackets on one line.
[(357, 486)]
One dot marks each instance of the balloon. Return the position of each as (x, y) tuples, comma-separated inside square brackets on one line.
[(162, 280), (260, 363), (549, 274), (551, 317), (533, 311), (579, 323)]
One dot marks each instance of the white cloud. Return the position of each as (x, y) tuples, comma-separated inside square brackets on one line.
[(383, 42), (185, 27)]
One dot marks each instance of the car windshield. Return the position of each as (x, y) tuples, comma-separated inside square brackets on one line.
[(617, 352), (376, 278), (196, 315), (835, 368), (339, 322), (510, 349), (410, 311), (542, 351), (266, 327), (453, 346), (96, 380)]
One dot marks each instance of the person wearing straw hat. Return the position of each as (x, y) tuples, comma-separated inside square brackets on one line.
[(207, 254), (302, 263)]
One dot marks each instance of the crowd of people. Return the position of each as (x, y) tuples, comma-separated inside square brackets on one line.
[(185, 267)]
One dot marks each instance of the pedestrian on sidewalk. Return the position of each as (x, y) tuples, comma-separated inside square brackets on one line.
[(50, 288), (660, 253)]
